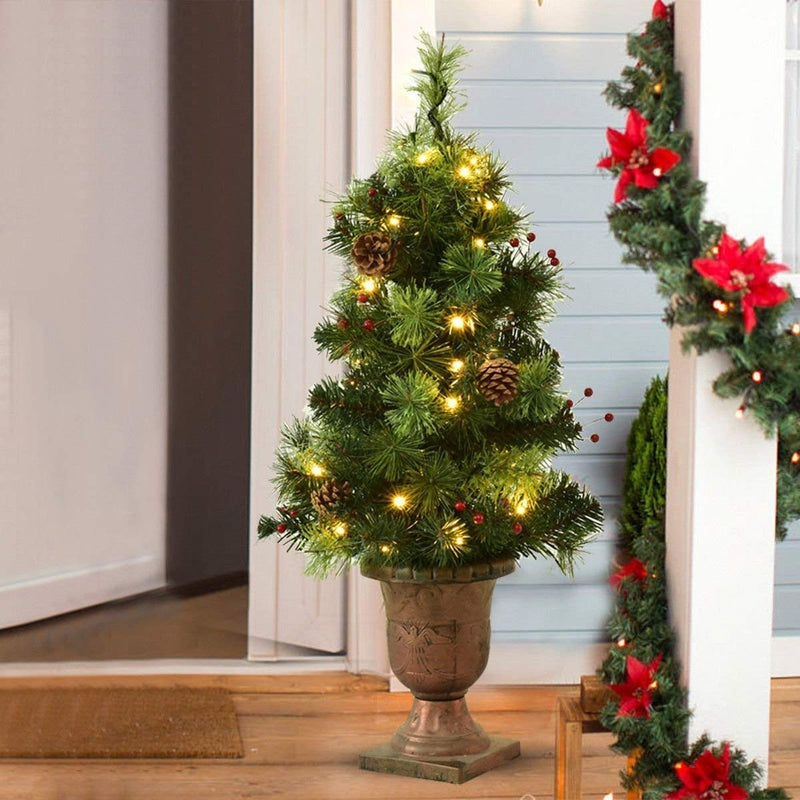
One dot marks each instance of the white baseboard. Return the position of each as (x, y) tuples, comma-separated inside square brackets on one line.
[(48, 596), (526, 662), (785, 656)]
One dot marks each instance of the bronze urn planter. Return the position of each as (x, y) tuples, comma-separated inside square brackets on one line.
[(438, 633)]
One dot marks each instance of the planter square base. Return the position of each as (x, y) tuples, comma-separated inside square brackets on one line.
[(450, 769)]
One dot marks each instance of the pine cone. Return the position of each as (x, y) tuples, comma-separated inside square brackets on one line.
[(497, 380), (329, 495), (374, 254)]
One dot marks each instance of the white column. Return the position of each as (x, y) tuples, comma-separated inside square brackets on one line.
[(721, 470)]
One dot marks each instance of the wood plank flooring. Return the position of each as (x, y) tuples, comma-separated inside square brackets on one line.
[(302, 735)]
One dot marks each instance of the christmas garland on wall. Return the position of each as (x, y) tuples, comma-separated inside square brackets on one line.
[(650, 718), (720, 289)]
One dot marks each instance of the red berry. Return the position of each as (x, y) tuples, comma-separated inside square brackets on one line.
[(554, 262), (478, 518), (609, 417), (362, 297), (293, 513), (595, 438), (570, 403), (514, 242), (517, 527), (281, 528), (531, 236), (342, 323), (460, 505), (369, 324), (588, 391), (551, 253), (373, 192)]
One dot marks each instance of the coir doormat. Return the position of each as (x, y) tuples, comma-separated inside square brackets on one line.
[(118, 723)]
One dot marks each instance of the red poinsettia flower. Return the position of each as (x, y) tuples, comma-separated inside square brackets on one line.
[(633, 569), (660, 10), (707, 778), (747, 272), (639, 164), (636, 694)]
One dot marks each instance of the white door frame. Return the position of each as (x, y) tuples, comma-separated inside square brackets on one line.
[(382, 50)]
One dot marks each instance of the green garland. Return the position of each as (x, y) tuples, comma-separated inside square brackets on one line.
[(662, 230), (661, 227)]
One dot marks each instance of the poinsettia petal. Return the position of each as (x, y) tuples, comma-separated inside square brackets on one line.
[(664, 159), (605, 163), (636, 128), (659, 10), (748, 313), (735, 792), (768, 294), (715, 271), (655, 663), (645, 179), (729, 251), (770, 268), (621, 146), (637, 671), (756, 252), (621, 189)]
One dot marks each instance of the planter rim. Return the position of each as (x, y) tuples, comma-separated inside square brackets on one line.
[(486, 571)]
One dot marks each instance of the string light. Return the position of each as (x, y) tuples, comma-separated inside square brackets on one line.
[(622, 642), (452, 403), (340, 530), (489, 204), (316, 470), (479, 243), (459, 540), (464, 172), (394, 221), (757, 376), (658, 172), (715, 250), (653, 685), (456, 365), (739, 413), (460, 323), (369, 285), (795, 458), (399, 501), (658, 88), (521, 508), (474, 160), (386, 548), (424, 157), (796, 329), (721, 306)]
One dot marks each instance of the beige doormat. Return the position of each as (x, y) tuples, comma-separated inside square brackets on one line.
[(118, 723)]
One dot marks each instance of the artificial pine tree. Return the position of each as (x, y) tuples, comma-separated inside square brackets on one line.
[(435, 446)]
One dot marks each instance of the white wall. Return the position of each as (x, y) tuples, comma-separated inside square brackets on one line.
[(83, 273)]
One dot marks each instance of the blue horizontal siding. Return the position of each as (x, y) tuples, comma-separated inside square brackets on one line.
[(534, 79)]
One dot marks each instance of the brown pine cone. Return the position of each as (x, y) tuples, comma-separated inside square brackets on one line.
[(497, 380), (374, 254), (330, 495)]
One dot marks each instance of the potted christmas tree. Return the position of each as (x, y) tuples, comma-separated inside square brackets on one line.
[(428, 462)]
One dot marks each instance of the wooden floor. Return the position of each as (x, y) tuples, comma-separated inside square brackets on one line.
[(302, 736), (150, 626)]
